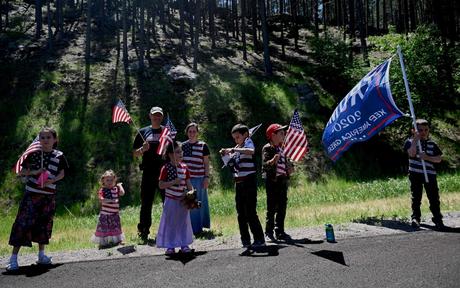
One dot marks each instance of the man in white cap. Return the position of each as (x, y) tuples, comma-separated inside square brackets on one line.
[(150, 166)]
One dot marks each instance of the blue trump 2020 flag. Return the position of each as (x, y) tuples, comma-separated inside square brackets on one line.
[(366, 110)]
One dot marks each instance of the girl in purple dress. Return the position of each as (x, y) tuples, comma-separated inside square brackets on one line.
[(175, 228)]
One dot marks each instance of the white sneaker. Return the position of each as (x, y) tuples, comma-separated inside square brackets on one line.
[(12, 265), (44, 260)]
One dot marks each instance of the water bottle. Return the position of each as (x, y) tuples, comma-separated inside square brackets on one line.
[(330, 233)]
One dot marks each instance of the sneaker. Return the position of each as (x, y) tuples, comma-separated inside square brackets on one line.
[(439, 225), (415, 224), (12, 265), (246, 244), (44, 260), (170, 251), (258, 244), (185, 249), (143, 237), (283, 236), (270, 237)]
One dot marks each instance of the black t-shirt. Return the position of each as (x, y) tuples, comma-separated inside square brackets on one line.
[(150, 160)]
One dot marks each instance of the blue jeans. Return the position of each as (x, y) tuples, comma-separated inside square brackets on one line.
[(200, 217)]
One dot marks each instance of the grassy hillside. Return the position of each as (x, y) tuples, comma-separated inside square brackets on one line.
[(40, 89)]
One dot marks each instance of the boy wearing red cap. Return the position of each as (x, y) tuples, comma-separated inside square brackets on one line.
[(276, 170)]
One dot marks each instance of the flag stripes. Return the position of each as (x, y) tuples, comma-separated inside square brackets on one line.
[(34, 146), (296, 143), (167, 136), (120, 114)]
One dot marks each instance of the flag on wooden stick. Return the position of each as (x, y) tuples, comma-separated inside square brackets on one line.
[(296, 144)]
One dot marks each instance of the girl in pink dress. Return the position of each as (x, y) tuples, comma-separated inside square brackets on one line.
[(108, 230), (175, 228)]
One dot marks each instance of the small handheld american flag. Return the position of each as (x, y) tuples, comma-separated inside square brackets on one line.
[(120, 114), (34, 146), (296, 144), (167, 136)]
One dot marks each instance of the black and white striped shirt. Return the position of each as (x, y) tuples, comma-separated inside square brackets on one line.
[(430, 148), (53, 161), (245, 163)]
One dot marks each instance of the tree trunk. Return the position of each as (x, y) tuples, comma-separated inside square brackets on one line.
[(316, 11), (197, 35), (254, 24), (412, 15), (125, 44), (212, 25), (263, 22), (50, 31), (191, 22), (384, 14), (281, 12), (38, 18), (325, 14), (1, 19), (377, 16), (87, 46), (141, 34), (351, 9), (243, 28), (227, 22), (294, 12), (60, 19), (362, 31), (161, 12), (234, 18), (182, 27)]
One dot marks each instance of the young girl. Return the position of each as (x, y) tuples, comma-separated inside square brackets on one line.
[(34, 221), (175, 228), (108, 230)]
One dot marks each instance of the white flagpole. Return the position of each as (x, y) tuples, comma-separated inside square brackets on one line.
[(406, 84)]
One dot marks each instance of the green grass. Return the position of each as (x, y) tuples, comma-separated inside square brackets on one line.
[(333, 201)]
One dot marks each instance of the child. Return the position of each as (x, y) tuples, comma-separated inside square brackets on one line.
[(175, 228), (276, 169), (34, 221), (431, 154), (242, 158), (108, 230)]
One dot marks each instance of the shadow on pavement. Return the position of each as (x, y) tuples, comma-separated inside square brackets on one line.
[(391, 224), (32, 270), (298, 242), (264, 251), (335, 256), (184, 258), (445, 229), (127, 249)]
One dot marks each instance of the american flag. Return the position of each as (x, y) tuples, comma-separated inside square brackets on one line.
[(296, 144), (171, 172), (120, 114), (34, 146), (167, 136)]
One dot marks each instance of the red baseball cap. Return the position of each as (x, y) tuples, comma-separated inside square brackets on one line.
[(274, 128)]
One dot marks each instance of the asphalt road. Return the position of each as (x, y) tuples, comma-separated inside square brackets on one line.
[(421, 259)]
